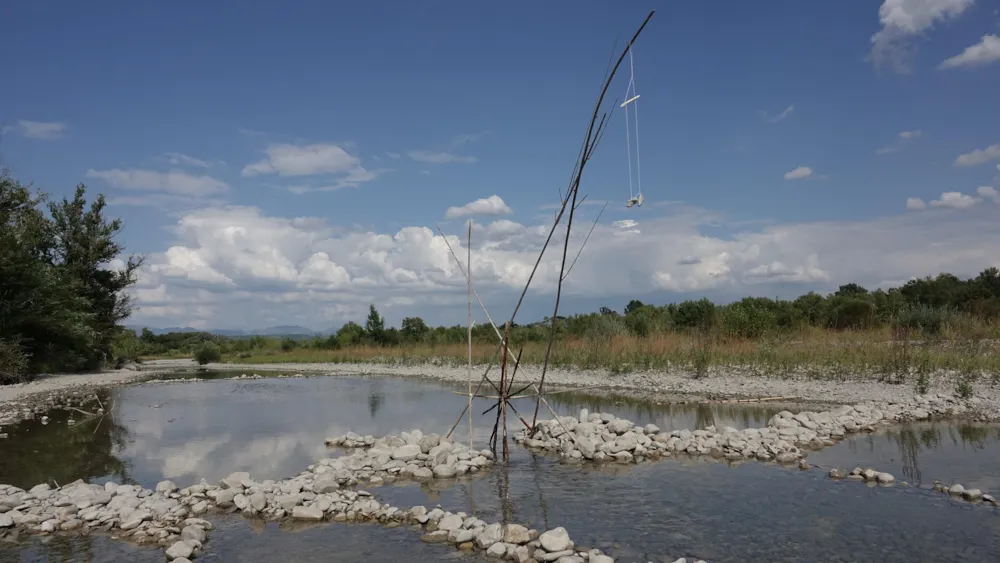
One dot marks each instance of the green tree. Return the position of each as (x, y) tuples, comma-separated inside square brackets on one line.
[(851, 290), (59, 301), (375, 326), (84, 248), (633, 305), (350, 334), (413, 329)]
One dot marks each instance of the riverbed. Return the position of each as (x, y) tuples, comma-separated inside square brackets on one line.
[(695, 507)]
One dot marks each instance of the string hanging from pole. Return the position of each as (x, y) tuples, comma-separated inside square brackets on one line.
[(632, 99)]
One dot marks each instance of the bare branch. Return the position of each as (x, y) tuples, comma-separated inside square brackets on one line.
[(570, 269), (589, 145)]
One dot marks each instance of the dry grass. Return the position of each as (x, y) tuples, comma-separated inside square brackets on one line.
[(818, 352)]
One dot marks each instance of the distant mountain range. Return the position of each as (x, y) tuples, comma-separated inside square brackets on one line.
[(283, 330)]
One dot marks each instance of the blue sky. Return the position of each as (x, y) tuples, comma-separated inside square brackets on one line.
[(298, 155)]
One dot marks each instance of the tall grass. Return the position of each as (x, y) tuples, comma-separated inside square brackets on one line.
[(891, 354)]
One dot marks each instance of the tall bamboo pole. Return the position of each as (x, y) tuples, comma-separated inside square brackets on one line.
[(469, 276)]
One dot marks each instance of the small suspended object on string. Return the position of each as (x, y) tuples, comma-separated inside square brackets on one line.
[(631, 99)]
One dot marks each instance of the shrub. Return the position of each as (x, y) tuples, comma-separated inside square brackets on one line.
[(126, 347), (695, 314), (207, 353), (747, 320), (13, 362), (288, 344), (921, 317)]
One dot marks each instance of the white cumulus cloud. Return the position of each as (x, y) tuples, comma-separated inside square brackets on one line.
[(955, 200), (239, 267), (981, 54), (903, 21), (799, 173), (493, 205), (305, 160), (989, 192), (979, 156)]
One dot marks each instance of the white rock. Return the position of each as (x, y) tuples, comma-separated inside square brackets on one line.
[(235, 480), (178, 550), (450, 522), (490, 535), (556, 539), (972, 494), (307, 513), (407, 452), (516, 534), (166, 487), (193, 533), (497, 550), (444, 471)]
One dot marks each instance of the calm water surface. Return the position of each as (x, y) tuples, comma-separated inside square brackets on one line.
[(275, 427)]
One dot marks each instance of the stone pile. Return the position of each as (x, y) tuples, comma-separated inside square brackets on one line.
[(162, 517), (411, 455), (604, 437), (168, 516)]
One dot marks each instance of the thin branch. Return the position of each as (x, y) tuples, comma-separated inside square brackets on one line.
[(570, 269), (574, 191)]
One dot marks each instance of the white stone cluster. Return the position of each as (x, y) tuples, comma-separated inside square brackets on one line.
[(411, 455), (604, 437), (162, 517)]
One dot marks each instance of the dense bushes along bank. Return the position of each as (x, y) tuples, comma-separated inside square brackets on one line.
[(60, 302), (941, 322)]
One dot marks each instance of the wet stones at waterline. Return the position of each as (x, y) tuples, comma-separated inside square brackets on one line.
[(412, 455), (162, 517), (971, 495), (869, 475), (603, 437)]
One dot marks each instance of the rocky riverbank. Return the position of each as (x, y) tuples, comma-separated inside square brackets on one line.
[(171, 517), (22, 401), (728, 383)]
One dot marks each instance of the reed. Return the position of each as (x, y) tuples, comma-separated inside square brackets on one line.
[(815, 352)]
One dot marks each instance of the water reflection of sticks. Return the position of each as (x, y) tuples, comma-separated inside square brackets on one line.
[(375, 398)]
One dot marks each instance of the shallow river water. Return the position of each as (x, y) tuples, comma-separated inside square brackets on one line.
[(657, 511)]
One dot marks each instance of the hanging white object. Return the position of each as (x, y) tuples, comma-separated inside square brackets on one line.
[(632, 99)]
